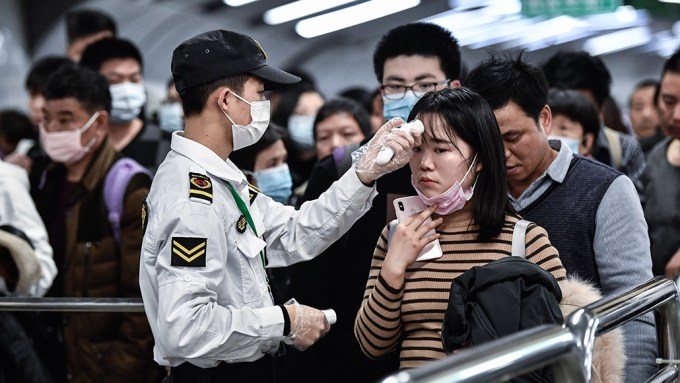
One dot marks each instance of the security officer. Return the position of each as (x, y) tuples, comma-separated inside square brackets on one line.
[(209, 235)]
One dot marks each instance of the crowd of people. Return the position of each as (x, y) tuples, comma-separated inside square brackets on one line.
[(250, 201)]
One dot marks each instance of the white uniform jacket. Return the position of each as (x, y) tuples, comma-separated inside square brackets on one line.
[(201, 276), (18, 210)]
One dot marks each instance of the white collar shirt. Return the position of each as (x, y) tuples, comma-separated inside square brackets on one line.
[(223, 311)]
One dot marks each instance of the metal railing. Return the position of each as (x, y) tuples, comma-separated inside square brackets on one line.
[(72, 304), (568, 348)]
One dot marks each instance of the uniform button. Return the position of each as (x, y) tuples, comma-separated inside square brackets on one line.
[(187, 278), (69, 376)]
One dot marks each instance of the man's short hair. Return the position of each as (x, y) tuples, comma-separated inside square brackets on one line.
[(195, 98), (88, 87), (503, 79), (99, 52), (86, 22), (579, 70), (422, 39), (646, 83), (575, 106), (672, 64), (41, 70)]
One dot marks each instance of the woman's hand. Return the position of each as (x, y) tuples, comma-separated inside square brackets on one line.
[(407, 242)]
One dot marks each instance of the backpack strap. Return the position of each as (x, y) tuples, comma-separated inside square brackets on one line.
[(519, 238), (115, 184), (614, 146)]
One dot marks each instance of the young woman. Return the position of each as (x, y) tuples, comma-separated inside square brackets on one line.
[(459, 171)]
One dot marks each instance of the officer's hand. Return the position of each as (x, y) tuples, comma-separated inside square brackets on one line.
[(402, 142), (307, 326)]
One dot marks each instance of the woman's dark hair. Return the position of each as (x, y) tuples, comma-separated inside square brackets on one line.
[(244, 158), (344, 105), (576, 107), (469, 118)]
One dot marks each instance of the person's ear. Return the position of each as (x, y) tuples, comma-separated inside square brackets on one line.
[(587, 144), (479, 166), (221, 96), (545, 120), (102, 122), (455, 84)]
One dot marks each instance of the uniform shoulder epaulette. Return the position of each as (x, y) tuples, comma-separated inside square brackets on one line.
[(200, 188), (253, 191)]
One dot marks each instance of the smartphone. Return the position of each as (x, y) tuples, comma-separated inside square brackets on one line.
[(408, 206)]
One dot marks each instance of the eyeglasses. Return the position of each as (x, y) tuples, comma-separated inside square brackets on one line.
[(398, 91)]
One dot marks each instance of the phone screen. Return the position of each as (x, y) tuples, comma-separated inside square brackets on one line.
[(408, 206)]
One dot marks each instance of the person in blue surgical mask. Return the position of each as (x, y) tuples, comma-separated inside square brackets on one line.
[(295, 110), (121, 63), (574, 120), (265, 165), (170, 118)]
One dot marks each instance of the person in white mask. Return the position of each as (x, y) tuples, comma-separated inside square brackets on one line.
[(121, 63), (209, 236), (95, 257), (574, 120)]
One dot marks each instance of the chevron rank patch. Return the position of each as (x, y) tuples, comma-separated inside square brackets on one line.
[(200, 187), (189, 251)]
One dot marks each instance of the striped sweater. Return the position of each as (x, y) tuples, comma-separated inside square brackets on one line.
[(410, 319)]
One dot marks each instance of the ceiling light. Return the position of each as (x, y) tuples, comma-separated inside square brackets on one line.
[(299, 9), (238, 3), (350, 16), (618, 41)]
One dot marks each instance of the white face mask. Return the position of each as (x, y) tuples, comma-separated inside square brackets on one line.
[(65, 147), (243, 136), (127, 99)]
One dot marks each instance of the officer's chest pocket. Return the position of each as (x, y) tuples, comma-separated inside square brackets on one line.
[(253, 279)]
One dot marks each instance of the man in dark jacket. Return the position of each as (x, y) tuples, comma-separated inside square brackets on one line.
[(91, 262)]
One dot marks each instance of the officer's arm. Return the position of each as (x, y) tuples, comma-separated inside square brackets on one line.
[(197, 318)]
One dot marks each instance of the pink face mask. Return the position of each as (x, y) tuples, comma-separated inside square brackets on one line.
[(451, 200), (65, 147)]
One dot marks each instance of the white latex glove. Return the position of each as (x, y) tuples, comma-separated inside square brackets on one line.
[(402, 143), (308, 325)]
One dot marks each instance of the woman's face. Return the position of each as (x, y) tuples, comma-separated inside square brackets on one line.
[(438, 162), (336, 130), (272, 156)]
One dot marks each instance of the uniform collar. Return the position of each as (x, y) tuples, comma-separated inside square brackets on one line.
[(207, 159)]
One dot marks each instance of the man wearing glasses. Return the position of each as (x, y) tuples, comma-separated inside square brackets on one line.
[(409, 61)]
